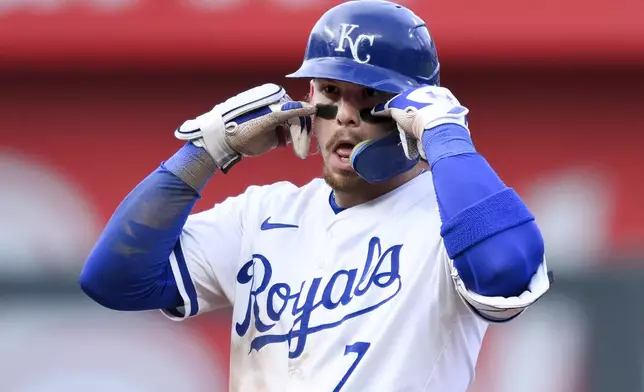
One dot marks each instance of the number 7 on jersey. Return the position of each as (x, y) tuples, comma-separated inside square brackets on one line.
[(359, 348)]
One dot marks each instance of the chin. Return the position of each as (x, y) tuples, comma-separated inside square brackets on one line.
[(343, 181)]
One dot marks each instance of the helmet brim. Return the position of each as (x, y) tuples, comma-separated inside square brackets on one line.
[(346, 70)]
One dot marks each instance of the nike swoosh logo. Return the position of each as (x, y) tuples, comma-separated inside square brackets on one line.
[(266, 225)]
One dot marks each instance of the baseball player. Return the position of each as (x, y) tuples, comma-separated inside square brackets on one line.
[(381, 276)]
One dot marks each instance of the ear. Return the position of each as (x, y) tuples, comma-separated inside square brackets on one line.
[(311, 90)]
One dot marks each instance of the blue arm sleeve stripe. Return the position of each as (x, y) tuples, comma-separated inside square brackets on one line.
[(496, 213), (189, 287), (487, 230)]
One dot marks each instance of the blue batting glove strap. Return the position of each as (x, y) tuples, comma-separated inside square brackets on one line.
[(244, 118), (305, 121), (494, 214), (446, 140), (380, 159)]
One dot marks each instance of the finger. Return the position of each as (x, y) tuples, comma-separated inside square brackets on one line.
[(308, 124), (300, 138), (381, 109), (294, 109), (283, 113)]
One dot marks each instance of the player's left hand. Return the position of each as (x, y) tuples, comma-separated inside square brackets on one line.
[(421, 109)]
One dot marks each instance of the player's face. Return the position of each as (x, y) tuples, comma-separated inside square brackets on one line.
[(337, 133)]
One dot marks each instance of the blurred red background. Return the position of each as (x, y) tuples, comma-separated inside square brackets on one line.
[(91, 93)]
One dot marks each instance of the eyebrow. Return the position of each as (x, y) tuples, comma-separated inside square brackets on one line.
[(321, 80)]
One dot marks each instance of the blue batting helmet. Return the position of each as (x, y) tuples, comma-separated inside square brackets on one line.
[(373, 43)]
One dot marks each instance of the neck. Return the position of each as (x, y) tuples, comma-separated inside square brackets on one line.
[(372, 191)]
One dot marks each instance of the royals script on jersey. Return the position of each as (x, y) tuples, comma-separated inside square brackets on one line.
[(362, 300)]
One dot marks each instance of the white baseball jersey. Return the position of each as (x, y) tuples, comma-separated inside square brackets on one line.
[(363, 300)]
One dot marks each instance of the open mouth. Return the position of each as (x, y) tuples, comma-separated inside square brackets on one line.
[(343, 150)]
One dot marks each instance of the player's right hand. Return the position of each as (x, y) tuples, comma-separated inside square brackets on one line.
[(249, 124)]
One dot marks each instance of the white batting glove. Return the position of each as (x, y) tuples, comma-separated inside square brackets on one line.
[(420, 109), (249, 124)]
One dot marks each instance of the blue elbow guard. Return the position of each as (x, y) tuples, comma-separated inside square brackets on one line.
[(502, 265)]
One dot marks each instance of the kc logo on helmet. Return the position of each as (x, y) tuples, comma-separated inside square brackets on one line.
[(354, 44)]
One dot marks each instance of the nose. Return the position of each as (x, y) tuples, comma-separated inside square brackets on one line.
[(348, 114)]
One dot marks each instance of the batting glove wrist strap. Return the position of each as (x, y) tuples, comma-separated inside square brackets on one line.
[(208, 131)]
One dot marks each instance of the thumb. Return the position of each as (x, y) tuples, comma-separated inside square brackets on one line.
[(408, 145), (300, 136)]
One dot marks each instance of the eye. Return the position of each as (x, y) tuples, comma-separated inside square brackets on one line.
[(330, 89), (370, 92)]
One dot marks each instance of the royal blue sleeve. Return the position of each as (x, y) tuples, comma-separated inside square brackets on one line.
[(129, 268), (488, 231)]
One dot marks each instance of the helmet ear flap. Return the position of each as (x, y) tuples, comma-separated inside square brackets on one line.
[(381, 159)]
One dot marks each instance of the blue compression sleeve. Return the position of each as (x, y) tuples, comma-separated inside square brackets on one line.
[(129, 267), (487, 230)]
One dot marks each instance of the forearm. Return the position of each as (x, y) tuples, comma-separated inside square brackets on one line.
[(488, 231), (128, 269)]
